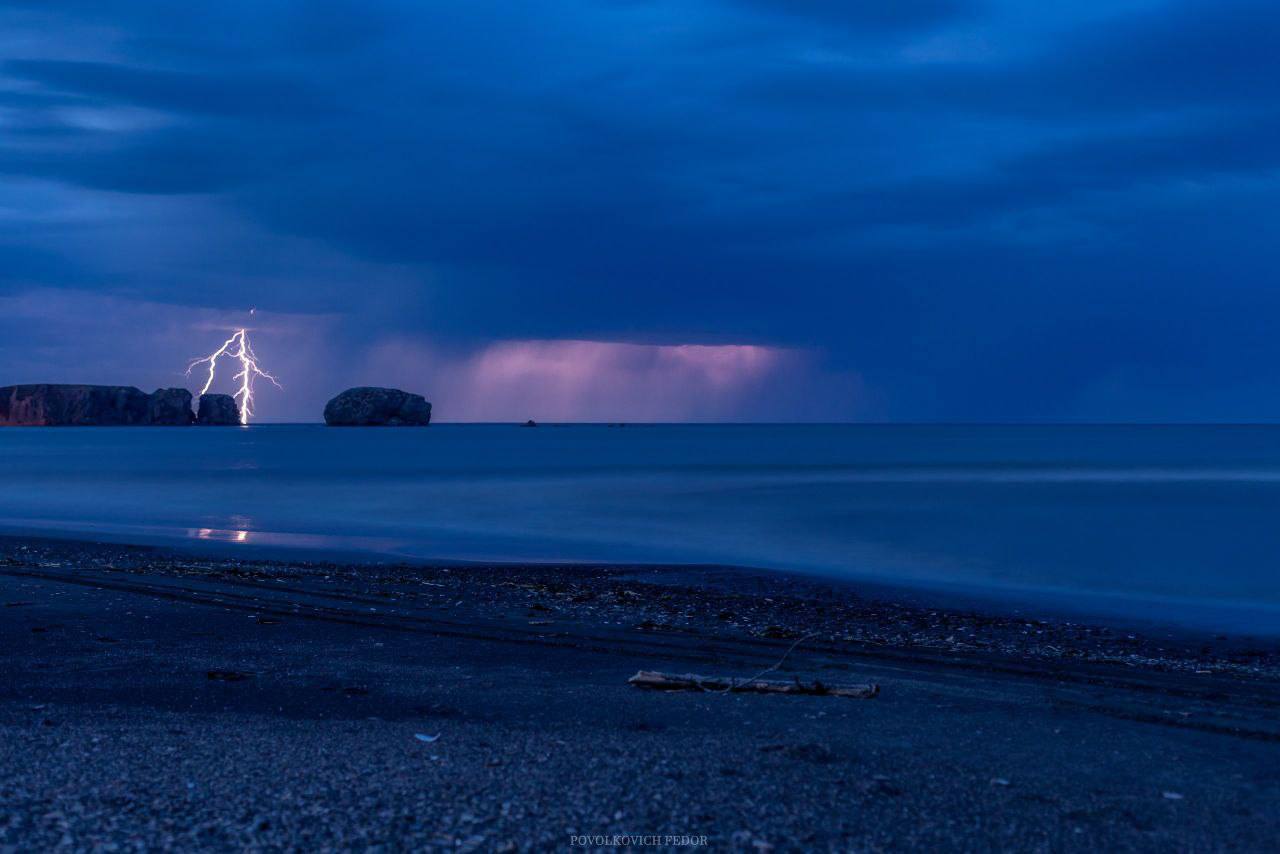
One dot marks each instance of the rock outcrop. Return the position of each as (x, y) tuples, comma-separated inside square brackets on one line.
[(218, 409), (68, 405), (170, 407), (369, 407), (52, 405)]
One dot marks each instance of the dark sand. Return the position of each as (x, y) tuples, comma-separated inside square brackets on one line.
[(153, 699)]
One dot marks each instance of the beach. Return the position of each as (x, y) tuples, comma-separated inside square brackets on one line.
[(749, 426), (154, 697)]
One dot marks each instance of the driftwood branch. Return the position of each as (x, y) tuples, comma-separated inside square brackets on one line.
[(785, 656), (656, 681)]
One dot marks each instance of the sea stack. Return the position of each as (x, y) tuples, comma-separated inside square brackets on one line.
[(170, 407), (218, 410), (377, 407)]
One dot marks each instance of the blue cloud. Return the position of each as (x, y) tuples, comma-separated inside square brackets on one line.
[(983, 211)]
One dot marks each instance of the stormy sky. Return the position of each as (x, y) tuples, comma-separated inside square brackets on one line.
[(629, 210)]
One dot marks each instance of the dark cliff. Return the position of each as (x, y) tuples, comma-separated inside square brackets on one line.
[(56, 405), (169, 407), (218, 409), (53, 405)]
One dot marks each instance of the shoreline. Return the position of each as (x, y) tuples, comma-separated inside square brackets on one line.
[(199, 702), (1113, 529), (742, 603), (1171, 617)]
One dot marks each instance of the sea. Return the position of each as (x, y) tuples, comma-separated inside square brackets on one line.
[(1177, 524)]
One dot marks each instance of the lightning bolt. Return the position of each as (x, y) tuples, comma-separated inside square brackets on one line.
[(238, 349)]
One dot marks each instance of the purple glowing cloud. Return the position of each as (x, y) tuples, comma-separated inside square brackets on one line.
[(576, 380)]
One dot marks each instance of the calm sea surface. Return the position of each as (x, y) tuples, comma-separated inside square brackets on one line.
[(1177, 522)]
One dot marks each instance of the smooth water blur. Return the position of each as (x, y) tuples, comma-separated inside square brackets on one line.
[(1159, 516)]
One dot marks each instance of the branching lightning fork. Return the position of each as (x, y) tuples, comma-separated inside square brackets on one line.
[(237, 348)]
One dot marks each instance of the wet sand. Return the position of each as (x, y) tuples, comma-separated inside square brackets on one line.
[(153, 698)]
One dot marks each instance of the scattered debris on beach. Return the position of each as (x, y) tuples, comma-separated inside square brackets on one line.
[(657, 681), (228, 676), (697, 602)]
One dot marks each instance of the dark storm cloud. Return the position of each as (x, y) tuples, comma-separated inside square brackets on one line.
[(982, 210), (1176, 56), (1056, 175), (183, 91), (185, 160), (869, 17)]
